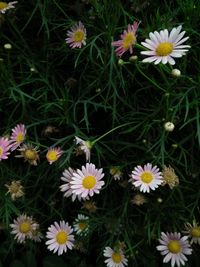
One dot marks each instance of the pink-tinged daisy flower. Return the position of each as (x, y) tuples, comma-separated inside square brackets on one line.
[(116, 257), (4, 148), (193, 230), (6, 6), (60, 237), (81, 225), (174, 248), (18, 136), (76, 36), (146, 178), (164, 46), (53, 154), (66, 187), (128, 40), (84, 146), (22, 228), (87, 181)]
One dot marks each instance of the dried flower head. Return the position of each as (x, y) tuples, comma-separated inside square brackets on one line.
[(193, 230), (170, 177), (116, 172), (29, 153), (139, 199), (15, 189), (49, 130), (90, 206)]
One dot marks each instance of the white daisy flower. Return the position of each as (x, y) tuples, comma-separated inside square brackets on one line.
[(116, 172), (66, 187), (147, 178), (84, 146), (174, 248), (164, 46), (116, 258), (6, 6), (87, 181), (193, 230), (22, 228), (60, 237), (81, 225)]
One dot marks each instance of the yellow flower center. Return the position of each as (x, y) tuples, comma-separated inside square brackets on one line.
[(61, 237), (146, 177), (82, 225), (30, 154), (174, 246), (78, 36), (116, 257), (25, 227), (128, 40), (14, 187), (89, 182), (1, 151), (20, 137), (195, 232), (3, 5), (52, 155), (164, 49)]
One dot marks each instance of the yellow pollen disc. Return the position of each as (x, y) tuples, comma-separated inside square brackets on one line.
[(30, 154), (78, 36), (128, 40), (52, 155), (195, 232), (89, 182), (82, 225), (174, 246), (1, 151), (164, 49), (146, 177), (25, 227), (116, 257), (20, 137), (3, 5), (61, 237)]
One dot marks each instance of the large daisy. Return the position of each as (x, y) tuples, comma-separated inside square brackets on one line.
[(115, 258), (60, 237), (164, 46), (18, 136), (87, 181), (128, 40), (146, 178), (76, 37), (174, 248)]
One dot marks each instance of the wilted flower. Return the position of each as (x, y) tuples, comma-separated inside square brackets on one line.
[(6, 6), (170, 177), (116, 172), (15, 189), (139, 199), (84, 146), (29, 153), (90, 206), (76, 37), (193, 231)]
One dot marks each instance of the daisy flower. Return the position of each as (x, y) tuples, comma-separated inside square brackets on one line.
[(29, 153), (18, 136), (193, 230), (4, 148), (60, 237), (146, 178), (22, 228), (116, 258), (84, 146), (128, 40), (15, 189), (116, 172), (87, 181), (53, 154), (76, 36), (81, 224), (164, 46), (36, 235), (6, 6), (174, 248)]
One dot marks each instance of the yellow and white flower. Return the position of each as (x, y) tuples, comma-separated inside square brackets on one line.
[(115, 258)]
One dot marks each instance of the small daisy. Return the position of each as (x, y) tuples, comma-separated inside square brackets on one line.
[(146, 178), (84, 146), (36, 235), (116, 172), (81, 225), (15, 189), (4, 148), (29, 153), (164, 46), (87, 181), (116, 258), (76, 37), (60, 237), (18, 136), (193, 230), (53, 154), (128, 40), (174, 248), (6, 6), (22, 228)]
